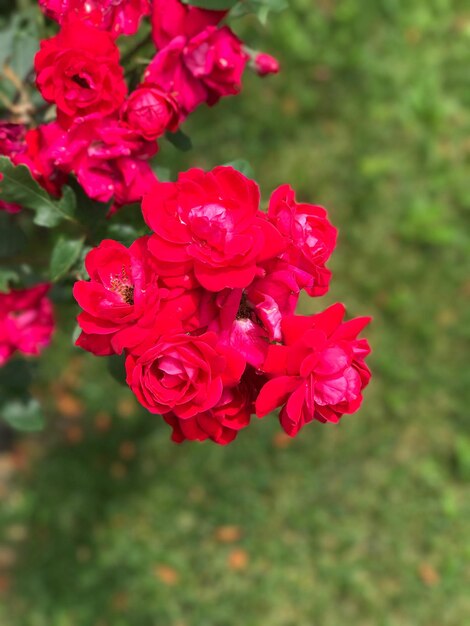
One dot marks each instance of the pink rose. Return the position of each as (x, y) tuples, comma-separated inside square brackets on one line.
[(26, 321), (319, 373), (150, 111)]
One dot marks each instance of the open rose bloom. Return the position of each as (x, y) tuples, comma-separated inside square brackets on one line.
[(203, 310)]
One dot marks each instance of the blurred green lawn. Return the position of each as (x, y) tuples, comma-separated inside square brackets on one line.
[(365, 523)]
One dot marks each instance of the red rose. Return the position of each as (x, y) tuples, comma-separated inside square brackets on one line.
[(117, 16), (172, 18), (12, 142), (210, 220), (109, 159), (201, 67), (183, 374), (319, 372), (216, 57), (223, 422), (265, 64), (26, 321), (121, 299), (311, 238), (39, 156), (197, 62), (231, 317), (33, 148), (124, 302), (273, 296), (79, 71), (12, 138), (150, 111), (220, 424)]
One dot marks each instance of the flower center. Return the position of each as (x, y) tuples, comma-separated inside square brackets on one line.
[(211, 224), (247, 312), (244, 310), (122, 286), (80, 81)]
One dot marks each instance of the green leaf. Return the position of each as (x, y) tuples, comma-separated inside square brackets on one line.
[(212, 4), (180, 140), (162, 173), (262, 8), (124, 233), (243, 167), (12, 238), (65, 253), (25, 415), (77, 331), (6, 43), (117, 368), (17, 185), (7, 276), (25, 43), (15, 377)]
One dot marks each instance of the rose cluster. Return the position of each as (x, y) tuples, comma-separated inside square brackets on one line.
[(103, 134), (203, 309), (26, 321)]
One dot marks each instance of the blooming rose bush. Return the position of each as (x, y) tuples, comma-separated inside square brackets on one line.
[(204, 310), (200, 301)]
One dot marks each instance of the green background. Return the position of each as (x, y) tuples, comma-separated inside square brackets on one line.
[(104, 522)]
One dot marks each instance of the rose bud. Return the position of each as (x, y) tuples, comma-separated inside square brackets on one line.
[(265, 64), (151, 111)]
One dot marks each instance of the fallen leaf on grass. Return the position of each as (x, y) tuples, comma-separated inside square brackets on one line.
[(166, 574), (127, 450), (74, 434), (428, 574), (281, 440), (118, 471), (238, 559), (68, 405), (228, 534), (126, 407), (103, 421)]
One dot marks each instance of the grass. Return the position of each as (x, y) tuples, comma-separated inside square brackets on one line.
[(361, 524)]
